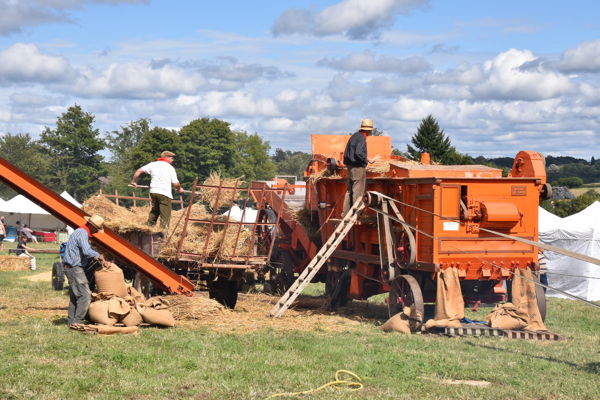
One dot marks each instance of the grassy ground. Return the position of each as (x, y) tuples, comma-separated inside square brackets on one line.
[(41, 358)]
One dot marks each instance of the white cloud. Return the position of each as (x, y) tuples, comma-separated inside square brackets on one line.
[(371, 62), (356, 19), (583, 58), (24, 62), (504, 79), (19, 14)]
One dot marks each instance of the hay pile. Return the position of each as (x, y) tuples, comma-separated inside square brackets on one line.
[(194, 308), (14, 263), (117, 218), (220, 197)]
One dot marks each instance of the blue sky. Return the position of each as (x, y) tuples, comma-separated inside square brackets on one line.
[(499, 76)]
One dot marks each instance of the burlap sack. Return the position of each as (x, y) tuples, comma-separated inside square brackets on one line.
[(98, 313), (399, 322), (525, 300), (155, 311), (110, 279), (118, 308), (134, 296), (112, 330), (442, 323), (449, 303), (133, 318), (507, 316)]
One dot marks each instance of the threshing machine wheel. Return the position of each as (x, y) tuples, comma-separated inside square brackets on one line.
[(406, 292), (282, 273)]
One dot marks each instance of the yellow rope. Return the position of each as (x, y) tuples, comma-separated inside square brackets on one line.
[(352, 382)]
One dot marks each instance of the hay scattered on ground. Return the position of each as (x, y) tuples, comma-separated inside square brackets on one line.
[(14, 263), (198, 307)]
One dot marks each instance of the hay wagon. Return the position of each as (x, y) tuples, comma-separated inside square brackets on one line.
[(224, 234)]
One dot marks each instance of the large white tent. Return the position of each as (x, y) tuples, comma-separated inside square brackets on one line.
[(579, 233), (20, 208)]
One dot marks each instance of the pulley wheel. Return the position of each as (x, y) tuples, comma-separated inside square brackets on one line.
[(406, 292)]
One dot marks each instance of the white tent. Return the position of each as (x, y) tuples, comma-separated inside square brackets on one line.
[(20, 208), (579, 233)]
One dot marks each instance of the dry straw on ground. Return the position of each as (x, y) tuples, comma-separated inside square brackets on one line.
[(14, 263)]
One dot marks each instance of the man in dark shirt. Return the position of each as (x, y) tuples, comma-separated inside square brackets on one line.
[(356, 160), (78, 253)]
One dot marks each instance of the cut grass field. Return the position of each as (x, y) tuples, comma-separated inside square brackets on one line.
[(588, 186), (41, 358)]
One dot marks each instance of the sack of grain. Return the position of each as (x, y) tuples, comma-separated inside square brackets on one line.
[(155, 311), (110, 279), (118, 308), (98, 313), (133, 318), (507, 316)]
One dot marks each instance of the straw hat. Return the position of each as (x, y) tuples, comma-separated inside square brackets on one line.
[(366, 125), (96, 221), (167, 154)]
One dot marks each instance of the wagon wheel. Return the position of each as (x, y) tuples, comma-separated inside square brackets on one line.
[(540, 296), (265, 234), (58, 276), (405, 292)]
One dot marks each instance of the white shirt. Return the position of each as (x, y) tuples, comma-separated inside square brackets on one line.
[(163, 177)]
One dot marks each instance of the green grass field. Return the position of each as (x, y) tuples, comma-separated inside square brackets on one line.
[(42, 359)]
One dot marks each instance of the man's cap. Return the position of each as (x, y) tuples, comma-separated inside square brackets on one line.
[(96, 221), (167, 154), (366, 125)]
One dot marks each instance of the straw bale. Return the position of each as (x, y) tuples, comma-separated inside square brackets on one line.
[(14, 263), (117, 218), (223, 197)]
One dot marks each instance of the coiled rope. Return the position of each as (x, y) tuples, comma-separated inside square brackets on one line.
[(351, 382)]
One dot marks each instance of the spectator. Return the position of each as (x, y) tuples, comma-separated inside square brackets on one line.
[(23, 251), (26, 230), (2, 232)]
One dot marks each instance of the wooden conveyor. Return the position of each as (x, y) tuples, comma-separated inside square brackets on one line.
[(108, 240)]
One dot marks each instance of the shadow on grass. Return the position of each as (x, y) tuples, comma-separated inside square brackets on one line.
[(59, 321), (592, 368)]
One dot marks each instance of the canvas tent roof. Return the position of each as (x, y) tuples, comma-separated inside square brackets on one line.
[(579, 233), (22, 205)]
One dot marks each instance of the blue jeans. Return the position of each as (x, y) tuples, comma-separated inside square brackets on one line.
[(80, 295)]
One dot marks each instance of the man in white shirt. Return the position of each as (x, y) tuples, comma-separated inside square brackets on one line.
[(163, 176)]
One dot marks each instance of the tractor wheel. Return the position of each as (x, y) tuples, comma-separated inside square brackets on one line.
[(58, 276), (284, 273), (224, 291), (337, 287), (143, 285), (406, 292)]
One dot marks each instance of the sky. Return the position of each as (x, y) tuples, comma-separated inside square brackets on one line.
[(499, 76)]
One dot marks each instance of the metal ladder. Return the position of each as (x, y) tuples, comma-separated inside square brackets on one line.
[(317, 262)]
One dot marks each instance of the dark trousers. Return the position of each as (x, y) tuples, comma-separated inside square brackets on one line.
[(357, 182), (80, 295), (161, 207)]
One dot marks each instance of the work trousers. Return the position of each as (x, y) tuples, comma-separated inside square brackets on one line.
[(80, 295), (32, 265), (161, 207), (357, 182)]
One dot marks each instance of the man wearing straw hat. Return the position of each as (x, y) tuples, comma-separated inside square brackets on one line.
[(76, 260), (356, 160), (163, 176)]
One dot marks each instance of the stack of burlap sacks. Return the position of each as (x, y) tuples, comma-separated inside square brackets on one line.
[(117, 303), (522, 313)]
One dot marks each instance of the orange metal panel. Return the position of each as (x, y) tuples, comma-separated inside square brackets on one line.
[(110, 241), (502, 212), (333, 146)]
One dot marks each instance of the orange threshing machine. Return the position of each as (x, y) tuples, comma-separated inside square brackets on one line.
[(421, 218)]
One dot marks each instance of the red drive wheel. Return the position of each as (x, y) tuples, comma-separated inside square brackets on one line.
[(405, 292)]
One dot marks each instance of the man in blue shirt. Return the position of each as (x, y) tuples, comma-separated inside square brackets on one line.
[(78, 253)]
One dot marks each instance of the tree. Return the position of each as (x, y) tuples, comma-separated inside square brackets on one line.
[(25, 153), (73, 147), (122, 145), (291, 162), (429, 138), (570, 182), (148, 149), (252, 160), (564, 208), (209, 145)]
